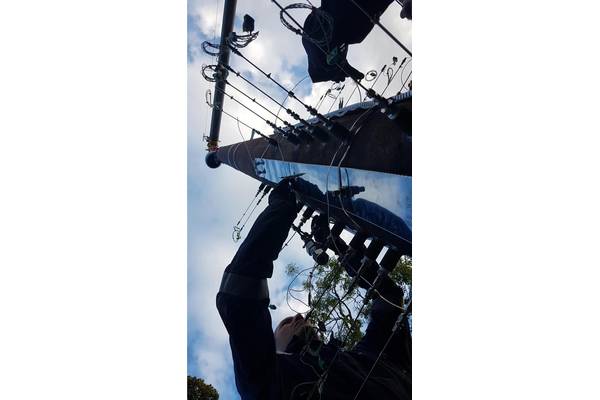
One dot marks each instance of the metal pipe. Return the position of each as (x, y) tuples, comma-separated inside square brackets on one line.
[(226, 29)]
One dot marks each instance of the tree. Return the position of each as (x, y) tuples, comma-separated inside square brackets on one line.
[(339, 309), (199, 390)]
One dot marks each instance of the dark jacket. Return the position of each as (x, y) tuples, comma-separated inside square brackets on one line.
[(349, 25), (261, 373)]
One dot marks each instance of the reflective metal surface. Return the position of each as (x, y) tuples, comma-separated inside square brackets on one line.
[(381, 199)]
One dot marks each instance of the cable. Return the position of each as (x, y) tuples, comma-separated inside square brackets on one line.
[(336, 97), (339, 169), (404, 83), (323, 376), (376, 22), (236, 234), (370, 92), (240, 41), (311, 129), (215, 58), (271, 141), (291, 94), (286, 123), (244, 141), (352, 285), (322, 98), (267, 189), (396, 325), (320, 15), (289, 289), (287, 135), (397, 69), (289, 240), (287, 95)]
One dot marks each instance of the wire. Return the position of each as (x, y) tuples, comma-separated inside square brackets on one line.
[(237, 119), (336, 97), (289, 289), (404, 83), (236, 234), (288, 135), (324, 19), (215, 58), (240, 41), (271, 124), (376, 22), (370, 92), (393, 76), (291, 94), (289, 111), (288, 95), (323, 376), (322, 98), (206, 76), (352, 285), (396, 325), (244, 141), (289, 240)]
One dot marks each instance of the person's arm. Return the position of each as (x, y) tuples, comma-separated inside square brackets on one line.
[(243, 297), (382, 319), (406, 9)]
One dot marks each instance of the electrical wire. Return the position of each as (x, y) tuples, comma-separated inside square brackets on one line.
[(291, 94), (336, 97), (383, 28), (287, 96), (286, 123), (370, 92), (333, 241), (287, 135), (271, 124), (288, 110), (393, 76), (404, 83), (396, 325)]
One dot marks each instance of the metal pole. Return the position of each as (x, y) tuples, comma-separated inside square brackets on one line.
[(226, 29)]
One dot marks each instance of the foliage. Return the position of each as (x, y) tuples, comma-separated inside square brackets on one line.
[(199, 390), (340, 312)]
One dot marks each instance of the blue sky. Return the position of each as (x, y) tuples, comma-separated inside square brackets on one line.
[(217, 198)]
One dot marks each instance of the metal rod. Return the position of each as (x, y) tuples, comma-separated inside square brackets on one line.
[(226, 29)]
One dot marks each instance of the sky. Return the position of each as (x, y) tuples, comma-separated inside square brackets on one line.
[(217, 198)]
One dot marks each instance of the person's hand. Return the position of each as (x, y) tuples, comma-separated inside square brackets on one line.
[(406, 9), (283, 191)]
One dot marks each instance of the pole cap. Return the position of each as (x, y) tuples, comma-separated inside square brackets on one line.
[(211, 159)]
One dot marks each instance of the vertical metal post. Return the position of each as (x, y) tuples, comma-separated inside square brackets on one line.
[(226, 29)]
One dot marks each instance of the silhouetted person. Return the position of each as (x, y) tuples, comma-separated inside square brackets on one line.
[(271, 365)]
